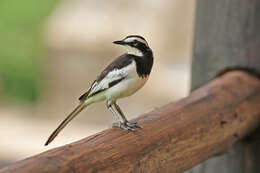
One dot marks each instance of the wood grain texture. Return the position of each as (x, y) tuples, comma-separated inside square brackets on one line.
[(175, 137)]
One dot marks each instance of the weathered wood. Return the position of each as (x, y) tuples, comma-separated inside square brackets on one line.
[(227, 36), (175, 137)]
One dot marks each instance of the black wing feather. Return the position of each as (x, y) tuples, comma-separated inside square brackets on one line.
[(118, 63)]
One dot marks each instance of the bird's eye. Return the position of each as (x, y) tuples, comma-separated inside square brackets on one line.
[(135, 43)]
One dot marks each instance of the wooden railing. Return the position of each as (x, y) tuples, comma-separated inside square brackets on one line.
[(174, 138)]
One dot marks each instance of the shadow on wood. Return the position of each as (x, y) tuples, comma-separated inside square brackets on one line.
[(175, 137)]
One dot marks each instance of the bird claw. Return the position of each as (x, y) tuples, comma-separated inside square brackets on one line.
[(123, 126), (133, 125), (127, 126)]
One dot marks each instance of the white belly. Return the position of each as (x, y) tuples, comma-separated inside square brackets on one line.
[(125, 88)]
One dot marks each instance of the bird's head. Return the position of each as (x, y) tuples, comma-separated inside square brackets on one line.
[(134, 44)]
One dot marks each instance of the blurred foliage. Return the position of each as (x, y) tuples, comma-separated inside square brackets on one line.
[(21, 48)]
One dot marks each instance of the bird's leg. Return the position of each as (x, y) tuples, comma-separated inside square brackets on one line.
[(118, 123), (125, 121), (110, 108)]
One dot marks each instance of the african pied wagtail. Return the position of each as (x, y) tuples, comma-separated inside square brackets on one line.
[(122, 78)]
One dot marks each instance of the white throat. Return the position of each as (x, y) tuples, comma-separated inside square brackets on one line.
[(133, 51)]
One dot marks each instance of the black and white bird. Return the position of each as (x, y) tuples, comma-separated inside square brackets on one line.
[(122, 78)]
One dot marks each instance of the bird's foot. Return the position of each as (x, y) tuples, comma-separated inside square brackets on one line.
[(126, 125), (133, 125), (123, 126)]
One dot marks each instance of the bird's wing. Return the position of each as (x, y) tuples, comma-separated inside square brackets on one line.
[(113, 74), (112, 78)]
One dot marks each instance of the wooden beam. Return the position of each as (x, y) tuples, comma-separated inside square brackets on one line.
[(227, 36), (175, 137)]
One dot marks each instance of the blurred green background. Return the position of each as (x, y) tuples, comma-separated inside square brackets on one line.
[(21, 48), (51, 51)]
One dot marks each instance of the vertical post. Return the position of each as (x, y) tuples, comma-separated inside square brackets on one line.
[(227, 35)]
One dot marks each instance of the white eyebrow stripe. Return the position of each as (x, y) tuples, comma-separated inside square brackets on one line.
[(131, 39), (142, 41)]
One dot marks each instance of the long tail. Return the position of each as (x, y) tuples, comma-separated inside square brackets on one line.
[(72, 115)]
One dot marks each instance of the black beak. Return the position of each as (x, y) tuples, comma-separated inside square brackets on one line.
[(119, 42)]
